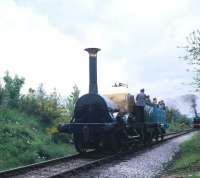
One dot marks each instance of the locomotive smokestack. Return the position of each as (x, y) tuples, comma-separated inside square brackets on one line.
[(93, 88)]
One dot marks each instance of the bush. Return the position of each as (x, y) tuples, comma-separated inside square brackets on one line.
[(28, 123), (38, 103), (23, 140), (10, 94), (176, 121)]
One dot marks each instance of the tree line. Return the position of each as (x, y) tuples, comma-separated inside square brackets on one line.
[(51, 108)]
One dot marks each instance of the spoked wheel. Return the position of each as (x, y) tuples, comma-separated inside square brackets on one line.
[(148, 138), (79, 144), (112, 143), (156, 134), (115, 143), (162, 136), (157, 137)]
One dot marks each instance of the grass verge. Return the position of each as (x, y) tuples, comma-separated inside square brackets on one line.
[(188, 162)]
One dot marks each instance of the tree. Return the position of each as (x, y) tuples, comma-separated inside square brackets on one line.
[(1, 94), (193, 55), (11, 90), (41, 91), (71, 101), (172, 114)]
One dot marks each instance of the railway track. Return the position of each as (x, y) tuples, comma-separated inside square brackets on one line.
[(71, 165)]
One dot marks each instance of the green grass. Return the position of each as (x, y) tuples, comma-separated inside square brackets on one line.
[(23, 140), (188, 164)]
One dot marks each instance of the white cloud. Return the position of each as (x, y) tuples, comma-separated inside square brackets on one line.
[(31, 47), (138, 41)]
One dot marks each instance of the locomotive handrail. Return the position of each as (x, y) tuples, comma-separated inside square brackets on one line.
[(105, 123)]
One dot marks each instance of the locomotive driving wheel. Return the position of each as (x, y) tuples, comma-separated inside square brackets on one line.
[(111, 143), (147, 137), (162, 134), (115, 143), (79, 144)]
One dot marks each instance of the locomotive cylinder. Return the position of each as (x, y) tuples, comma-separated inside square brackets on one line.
[(93, 87)]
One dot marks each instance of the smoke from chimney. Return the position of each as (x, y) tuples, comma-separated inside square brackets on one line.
[(192, 100)]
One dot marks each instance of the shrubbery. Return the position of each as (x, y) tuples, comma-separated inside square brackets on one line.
[(28, 123), (176, 121), (38, 103), (23, 140), (10, 93), (50, 108)]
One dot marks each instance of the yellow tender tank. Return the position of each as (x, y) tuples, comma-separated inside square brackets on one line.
[(124, 101)]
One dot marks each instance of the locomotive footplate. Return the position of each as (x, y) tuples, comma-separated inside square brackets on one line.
[(138, 125), (79, 127)]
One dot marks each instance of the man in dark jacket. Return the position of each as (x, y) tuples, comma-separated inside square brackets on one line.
[(140, 104)]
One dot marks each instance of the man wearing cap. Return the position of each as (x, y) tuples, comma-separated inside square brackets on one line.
[(140, 104)]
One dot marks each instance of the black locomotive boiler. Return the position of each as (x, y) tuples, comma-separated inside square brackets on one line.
[(104, 123)]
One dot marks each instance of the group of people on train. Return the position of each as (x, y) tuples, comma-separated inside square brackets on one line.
[(141, 100), (154, 102)]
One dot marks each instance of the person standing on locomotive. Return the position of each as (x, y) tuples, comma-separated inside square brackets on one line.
[(155, 102), (140, 104)]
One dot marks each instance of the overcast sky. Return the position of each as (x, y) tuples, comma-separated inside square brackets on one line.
[(43, 41)]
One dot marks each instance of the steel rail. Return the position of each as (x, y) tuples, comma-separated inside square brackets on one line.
[(42, 164), (172, 133), (90, 162)]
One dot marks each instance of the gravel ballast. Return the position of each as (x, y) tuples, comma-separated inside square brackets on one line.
[(148, 164)]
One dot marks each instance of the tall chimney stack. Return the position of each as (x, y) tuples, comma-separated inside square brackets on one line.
[(93, 88)]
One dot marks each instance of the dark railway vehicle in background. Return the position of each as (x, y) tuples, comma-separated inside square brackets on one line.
[(196, 121), (108, 122)]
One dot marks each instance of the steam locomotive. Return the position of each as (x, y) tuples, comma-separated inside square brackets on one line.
[(196, 121), (109, 122)]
